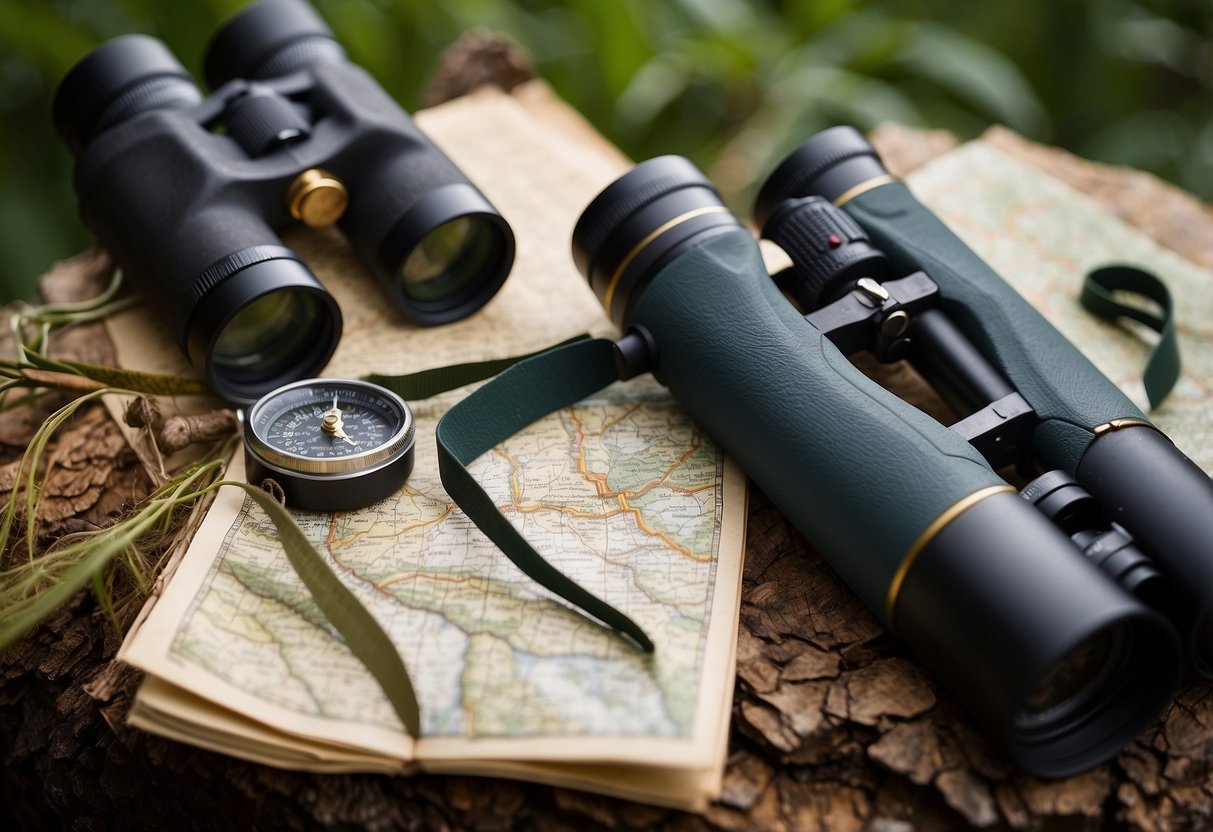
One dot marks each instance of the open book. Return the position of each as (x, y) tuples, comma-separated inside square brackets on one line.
[(623, 493)]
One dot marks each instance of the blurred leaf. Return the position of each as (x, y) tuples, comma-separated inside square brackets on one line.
[(617, 40), (1196, 166), (975, 73), (1153, 39), (728, 16), (844, 96), (1146, 139), (38, 30), (812, 16), (655, 85)]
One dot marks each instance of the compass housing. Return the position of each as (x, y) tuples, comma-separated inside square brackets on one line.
[(286, 440)]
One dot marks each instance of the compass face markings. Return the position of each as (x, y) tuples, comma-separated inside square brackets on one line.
[(298, 430), (293, 422)]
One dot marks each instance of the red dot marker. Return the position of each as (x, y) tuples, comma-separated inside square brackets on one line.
[(834, 240)]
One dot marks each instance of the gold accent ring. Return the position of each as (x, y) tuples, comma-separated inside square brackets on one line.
[(928, 534), (609, 295), (1119, 424), (864, 187)]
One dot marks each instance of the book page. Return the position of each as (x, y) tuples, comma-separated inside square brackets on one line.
[(623, 493)]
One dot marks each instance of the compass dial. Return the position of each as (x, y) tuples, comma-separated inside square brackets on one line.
[(329, 433)]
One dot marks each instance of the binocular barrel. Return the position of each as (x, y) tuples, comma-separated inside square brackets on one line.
[(188, 194), (1061, 663), (1084, 424)]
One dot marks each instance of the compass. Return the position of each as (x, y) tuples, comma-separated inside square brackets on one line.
[(332, 444)]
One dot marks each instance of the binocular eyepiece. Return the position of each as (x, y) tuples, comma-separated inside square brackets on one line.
[(641, 222), (1036, 620), (188, 193)]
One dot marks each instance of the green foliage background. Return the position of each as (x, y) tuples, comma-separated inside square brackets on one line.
[(732, 84)]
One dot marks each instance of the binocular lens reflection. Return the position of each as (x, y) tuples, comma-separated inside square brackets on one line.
[(448, 258), (267, 336), (1081, 676)]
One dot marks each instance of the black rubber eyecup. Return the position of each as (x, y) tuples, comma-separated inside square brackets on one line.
[(268, 39), (639, 222), (828, 165), (119, 79)]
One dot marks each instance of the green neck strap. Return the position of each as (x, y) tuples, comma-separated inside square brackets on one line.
[(470, 432), (1099, 298), (358, 628), (527, 391), (526, 388), (422, 385)]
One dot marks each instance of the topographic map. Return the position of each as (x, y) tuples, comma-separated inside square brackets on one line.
[(625, 496)]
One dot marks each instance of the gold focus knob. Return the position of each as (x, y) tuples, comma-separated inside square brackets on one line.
[(317, 198)]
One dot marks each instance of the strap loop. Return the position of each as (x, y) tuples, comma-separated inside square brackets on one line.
[(1098, 298)]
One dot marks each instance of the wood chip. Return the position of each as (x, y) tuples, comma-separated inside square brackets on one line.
[(766, 725), (745, 779), (824, 805), (968, 795), (891, 687), (912, 749), (799, 705), (810, 664), (1082, 794)]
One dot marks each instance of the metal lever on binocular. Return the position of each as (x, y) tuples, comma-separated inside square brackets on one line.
[(844, 283)]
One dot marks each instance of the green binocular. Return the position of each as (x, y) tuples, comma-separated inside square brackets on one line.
[(1053, 613)]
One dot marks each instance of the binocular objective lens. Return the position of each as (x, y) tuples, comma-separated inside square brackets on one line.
[(448, 258), (268, 335), (443, 257), (1075, 683)]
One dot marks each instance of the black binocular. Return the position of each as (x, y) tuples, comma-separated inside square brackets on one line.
[(188, 193), (1052, 612)]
